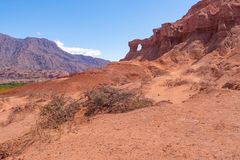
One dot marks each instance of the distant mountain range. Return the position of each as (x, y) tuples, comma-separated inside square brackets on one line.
[(18, 57)]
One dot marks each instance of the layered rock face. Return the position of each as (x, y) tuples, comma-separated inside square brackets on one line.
[(209, 24)]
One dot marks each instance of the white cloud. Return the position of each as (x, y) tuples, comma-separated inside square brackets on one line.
[(76, 50), (39, 33)]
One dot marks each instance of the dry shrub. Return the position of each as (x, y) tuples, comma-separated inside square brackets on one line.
[(17, 113), (52, 115), (176, 82), (3, 154), (233, 85), (156, 72), (203, 86), (120, 80), (189, 71), (106, 99), (17, 146), (57, 112), (12, 116), (209, 72)]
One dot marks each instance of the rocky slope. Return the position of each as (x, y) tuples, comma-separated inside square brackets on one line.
[(208, 26), (34, 54)]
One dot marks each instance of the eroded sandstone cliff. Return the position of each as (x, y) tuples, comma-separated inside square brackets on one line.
[(208, 25)]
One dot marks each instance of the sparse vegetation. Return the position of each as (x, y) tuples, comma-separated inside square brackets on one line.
[(6, 86), (209, 72), (3, 154), (156, 72), (107, 99), (17, 113), (12, 116), (203, 86), (57, 112), (16, 146), (232, 85), (176, 82), (52, 115), (104, 99)]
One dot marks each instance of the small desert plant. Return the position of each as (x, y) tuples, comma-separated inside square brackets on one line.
[(14, 147), (176, 82), (156, 72), (17, 113), (60, 110), (209, 72), (52, 115), (14, 111), (106, 99), (203, 86), (3, 154), (232, 85), (57, 112)]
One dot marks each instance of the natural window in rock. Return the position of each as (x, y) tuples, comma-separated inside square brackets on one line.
[(139, 48)]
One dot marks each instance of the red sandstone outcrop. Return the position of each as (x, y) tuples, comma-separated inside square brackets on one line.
[(210, 22)]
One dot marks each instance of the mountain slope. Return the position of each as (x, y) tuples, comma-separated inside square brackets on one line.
[(41, 54)]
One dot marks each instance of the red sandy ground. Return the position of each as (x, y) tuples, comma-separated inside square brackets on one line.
[(185, 123)]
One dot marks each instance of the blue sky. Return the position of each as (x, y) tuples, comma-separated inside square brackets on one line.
[(102, 25)]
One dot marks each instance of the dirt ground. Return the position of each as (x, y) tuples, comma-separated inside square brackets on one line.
[(190, 119), (204, 127)]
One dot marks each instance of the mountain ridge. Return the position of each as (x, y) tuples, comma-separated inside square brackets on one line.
[(33, 54)]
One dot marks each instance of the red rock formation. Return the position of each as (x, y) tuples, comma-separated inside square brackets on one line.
[(209, 21)]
